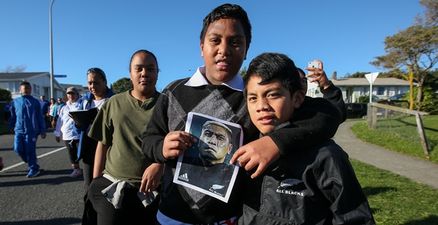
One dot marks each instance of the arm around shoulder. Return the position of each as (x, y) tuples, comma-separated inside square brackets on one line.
[(316, 121)]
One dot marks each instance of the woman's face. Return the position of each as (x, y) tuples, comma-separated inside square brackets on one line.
[(96, 85), (72, 96), (144, 74)]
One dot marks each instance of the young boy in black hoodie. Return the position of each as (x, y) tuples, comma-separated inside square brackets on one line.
[(316, 185)]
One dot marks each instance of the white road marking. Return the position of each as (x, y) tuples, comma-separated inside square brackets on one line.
[(39, 157)]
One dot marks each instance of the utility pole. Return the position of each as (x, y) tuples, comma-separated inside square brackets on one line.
[(51, 47)]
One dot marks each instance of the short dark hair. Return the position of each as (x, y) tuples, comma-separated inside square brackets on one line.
[(25, 83), (274, 66), (98, 71), (301, 71), (228, 11), (145, 52)]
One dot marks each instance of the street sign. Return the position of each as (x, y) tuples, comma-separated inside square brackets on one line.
[(59, 75), (371, 77)]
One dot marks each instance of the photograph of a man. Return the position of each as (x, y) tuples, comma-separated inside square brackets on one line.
[(205, 167), (214, 143)]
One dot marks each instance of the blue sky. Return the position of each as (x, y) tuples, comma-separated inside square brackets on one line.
[(346, 34)]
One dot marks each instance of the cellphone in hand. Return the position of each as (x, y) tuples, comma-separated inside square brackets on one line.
[(314, 64)]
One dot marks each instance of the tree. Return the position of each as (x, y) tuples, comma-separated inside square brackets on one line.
[(357, 75), (242, 71), (15, 69), (5, 95), (432, 80), (121, 85), (431, 16), (414, 50)]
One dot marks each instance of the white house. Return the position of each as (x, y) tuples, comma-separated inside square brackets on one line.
[(40, 82), (353, 88)]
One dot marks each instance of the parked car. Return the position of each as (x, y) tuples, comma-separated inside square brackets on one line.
[(398, 97), (356, 110), (396, 100)]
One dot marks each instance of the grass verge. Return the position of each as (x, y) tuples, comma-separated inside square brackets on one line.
[(401, 135), (396, 200)]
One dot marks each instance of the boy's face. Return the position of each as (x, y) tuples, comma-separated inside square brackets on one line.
[(269, 105), (223, 50)]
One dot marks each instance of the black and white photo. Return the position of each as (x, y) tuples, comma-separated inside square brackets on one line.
[(205, 166)]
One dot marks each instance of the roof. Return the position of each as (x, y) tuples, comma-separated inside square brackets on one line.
[(390, 81), (26, 76), (21, 76)]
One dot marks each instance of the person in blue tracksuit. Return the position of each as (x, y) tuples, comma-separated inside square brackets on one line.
[(27, 121)]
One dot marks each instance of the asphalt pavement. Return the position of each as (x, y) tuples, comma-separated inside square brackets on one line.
[(416, 169), (55, 198)]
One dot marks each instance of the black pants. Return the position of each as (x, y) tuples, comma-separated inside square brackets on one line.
[(88, 150), (72, 147), (131, 212)]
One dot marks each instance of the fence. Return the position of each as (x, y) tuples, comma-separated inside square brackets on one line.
[(395, 119)]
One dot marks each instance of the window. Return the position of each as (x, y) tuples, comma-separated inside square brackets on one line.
[(380, 91)]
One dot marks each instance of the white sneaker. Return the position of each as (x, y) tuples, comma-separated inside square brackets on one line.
[(76, 173)]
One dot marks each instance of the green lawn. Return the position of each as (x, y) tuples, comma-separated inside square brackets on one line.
[(396, 200), (401, 135)]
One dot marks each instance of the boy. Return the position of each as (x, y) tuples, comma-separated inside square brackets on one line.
[(314, 186), (216, 90)]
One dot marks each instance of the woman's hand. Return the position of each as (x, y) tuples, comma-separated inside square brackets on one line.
[(151, 177)]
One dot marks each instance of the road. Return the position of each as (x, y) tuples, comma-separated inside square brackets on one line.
[(51, 198)]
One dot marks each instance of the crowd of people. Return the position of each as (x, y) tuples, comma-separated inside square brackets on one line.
[(289, 169)]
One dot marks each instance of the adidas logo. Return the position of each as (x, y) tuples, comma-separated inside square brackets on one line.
[(184, 177)]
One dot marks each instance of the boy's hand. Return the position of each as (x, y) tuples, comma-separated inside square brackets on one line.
[(318, 76), (175, 143), (151, 177), (259, 153)]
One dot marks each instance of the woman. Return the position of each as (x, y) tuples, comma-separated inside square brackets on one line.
[(65, 128), (120, 164), (97, 95), (52, 112)]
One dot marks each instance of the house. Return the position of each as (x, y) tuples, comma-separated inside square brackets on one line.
[(40, 82), (353, 88)]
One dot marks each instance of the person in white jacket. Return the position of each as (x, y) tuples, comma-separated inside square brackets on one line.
[(65, 128)]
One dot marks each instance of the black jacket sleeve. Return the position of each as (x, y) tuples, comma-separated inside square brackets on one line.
[(334, 95), (155, 131), (314, 122)]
